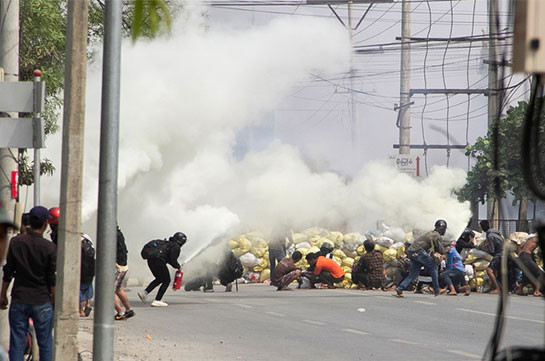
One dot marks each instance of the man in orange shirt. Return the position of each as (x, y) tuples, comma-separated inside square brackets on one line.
[(326, 270)]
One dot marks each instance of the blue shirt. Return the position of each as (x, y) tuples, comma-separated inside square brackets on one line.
[(454, 261)]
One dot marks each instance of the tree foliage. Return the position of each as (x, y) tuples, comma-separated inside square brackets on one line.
[(481, 178), (42, 45)]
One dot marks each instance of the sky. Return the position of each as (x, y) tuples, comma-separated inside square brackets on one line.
[(240, 121)]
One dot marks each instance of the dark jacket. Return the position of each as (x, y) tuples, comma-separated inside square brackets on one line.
[(427, 242), (31, 261), (121, 253), (495, 242), (172, 253)]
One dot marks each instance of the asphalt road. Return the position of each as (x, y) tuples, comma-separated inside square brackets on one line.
[(259, 323)]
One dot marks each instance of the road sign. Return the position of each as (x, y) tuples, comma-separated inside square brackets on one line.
[(22, 97), (405, 163)]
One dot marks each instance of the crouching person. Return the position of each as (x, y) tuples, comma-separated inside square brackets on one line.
[(285, 272), (369, 270), (325, 270), (455, 271)]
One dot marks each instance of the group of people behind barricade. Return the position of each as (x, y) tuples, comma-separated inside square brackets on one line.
[(432, 264)]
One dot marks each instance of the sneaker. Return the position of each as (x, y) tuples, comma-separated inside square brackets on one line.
[(129, 314), (399, 293), (157, 303), (143, 296), (119, 317)]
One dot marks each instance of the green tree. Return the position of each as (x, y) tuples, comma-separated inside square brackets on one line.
[(483, 181), (42, 46)]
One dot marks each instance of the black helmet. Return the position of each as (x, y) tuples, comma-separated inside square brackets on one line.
[(179, 237), (441, 226), (326, 248)]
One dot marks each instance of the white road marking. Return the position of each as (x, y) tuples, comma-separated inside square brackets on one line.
[(314, 322), (493, 314), (242, 305), (275, 314), (466, 354), (404, 341), (426, 303), (356, 331)]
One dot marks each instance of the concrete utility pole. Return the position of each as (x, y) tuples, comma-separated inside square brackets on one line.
[(493, 207), (405, 81), (353, 100), (9, 60), (69, 242), (103, 328)]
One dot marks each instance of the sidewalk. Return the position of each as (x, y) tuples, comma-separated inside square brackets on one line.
[(130, 342)]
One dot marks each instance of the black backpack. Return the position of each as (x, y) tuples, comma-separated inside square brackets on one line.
[(154, 249), (87, 260), (232, 270)]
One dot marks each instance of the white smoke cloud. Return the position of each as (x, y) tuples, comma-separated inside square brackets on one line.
[(185, 98)]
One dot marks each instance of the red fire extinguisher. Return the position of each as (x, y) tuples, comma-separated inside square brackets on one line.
[(178, 280)]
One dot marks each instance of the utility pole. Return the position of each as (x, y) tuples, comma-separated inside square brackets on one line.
[(353, 101), (405, 80), (103, 327), (493, 207), (9, 61), (69, 242)]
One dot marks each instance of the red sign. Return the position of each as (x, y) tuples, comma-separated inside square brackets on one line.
[(14, 184)]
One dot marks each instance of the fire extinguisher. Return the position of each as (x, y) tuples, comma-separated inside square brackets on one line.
[(178, 280)]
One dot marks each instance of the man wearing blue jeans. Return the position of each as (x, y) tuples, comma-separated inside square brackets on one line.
[(419, 254), (31, 261)]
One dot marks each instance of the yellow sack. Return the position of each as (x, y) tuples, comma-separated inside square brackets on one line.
[(265, 275), (360, 250), (401, 252), (348, 262), (335, 237), (481, 265), (339, 254), (390, 254), (258, 252), (244, 244), (313, 250), (346, 269), (380, 248), (238, 252), (233, 244), (470, 259), (338, 260)]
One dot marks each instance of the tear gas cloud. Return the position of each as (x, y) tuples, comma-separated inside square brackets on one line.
[(183, 101)]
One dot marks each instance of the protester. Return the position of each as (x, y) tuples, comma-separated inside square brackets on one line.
[(466, 240), (87, 275), (54, 213), (121, 269), (277, 251), (455, 271), (526, 256), (286, 272), (325, 270), (494, 240), (370, 269), (165, 252), (230, 271), (31, 261), (25, 223), (5, 224), (419, 254)]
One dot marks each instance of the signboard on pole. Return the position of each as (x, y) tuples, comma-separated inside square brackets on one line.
[(406, 163)]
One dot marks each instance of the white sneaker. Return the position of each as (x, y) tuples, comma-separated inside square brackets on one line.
[(157, 303), (143, 296)]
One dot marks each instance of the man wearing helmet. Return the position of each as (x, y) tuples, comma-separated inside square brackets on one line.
[(168, 254), (420, 253)]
